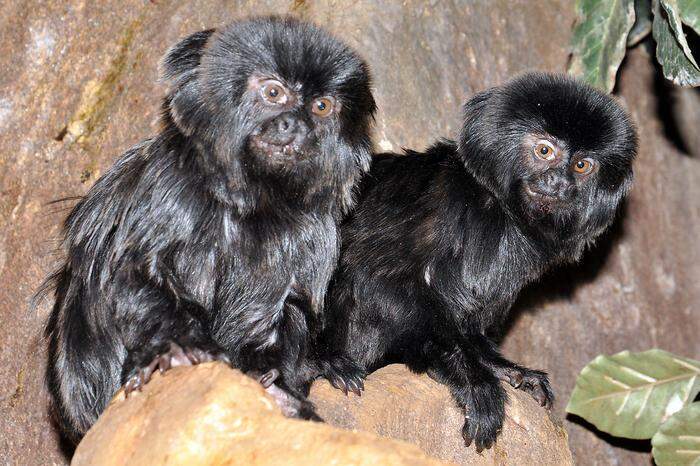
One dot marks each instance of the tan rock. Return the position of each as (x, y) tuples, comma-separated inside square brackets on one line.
[(405, 406), (212, 415)]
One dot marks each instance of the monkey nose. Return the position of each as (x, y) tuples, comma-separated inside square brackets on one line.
[(553, 185), (285, 129), (285, 124)]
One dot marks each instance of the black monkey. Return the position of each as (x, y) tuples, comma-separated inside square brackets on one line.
[(216, 238), (441, 243)]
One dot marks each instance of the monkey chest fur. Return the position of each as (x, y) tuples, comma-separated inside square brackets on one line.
[(244, 272)]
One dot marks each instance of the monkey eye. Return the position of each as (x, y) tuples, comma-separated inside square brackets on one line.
[(583, 166), (323, 106), (544, 150), (274, 93)]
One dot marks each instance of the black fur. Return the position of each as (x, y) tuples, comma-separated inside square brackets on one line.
[(441, 243), (213, 234)]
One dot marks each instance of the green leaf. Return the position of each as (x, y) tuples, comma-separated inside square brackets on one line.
[(599, 38), (674, 20), (674, 61), (631, 394), (677, 443), (690, 13), (642, 22)]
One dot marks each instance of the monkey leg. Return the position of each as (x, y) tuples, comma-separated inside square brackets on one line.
[(161, 335), (287, 369), (475, 388), (532, 381)]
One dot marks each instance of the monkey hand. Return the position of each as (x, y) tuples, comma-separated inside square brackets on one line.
[(174, 356), (344, 374), (531, 381)]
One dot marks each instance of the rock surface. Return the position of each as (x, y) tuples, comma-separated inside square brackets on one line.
[(79, 85), (406, 406), (210, 415)]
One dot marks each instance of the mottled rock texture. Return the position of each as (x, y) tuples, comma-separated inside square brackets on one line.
[(210, 415), (78, 85), (405, 406)]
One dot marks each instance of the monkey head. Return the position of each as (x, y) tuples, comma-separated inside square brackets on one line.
[(274, 99), (557, 153)]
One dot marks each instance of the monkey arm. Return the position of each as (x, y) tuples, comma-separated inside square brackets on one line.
[(473, 385), (458, 300), (469, 319)]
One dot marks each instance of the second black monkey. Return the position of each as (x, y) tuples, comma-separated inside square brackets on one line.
[(441, 243)]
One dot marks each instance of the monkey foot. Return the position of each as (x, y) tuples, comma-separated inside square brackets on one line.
[(484, 414), (345, 375), (531, 381), (175, 356), (292, 406)]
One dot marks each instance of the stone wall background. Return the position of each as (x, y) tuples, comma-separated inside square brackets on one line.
[(78, 86)]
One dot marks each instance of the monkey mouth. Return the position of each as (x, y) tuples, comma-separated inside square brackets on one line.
[(543, 203), (290, 150), (538, 195)]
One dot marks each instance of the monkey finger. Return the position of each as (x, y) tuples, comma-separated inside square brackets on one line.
[(544, 399), (516, 380), (339, 383), (206, 356), (466, 434), (144, 376), (538, 395), (179, 356), (334, 382), (131, 385), (269, 377), (342, 386), (354, 387), (191, 358), (162, 362), (197, 356), (136, 382), (223, 358)]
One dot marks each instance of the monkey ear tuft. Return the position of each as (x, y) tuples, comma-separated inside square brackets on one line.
[(474, 106), (478, 139), (179, 70), (182, 60), (473, 131)]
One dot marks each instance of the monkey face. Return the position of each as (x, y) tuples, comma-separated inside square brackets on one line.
[(290, 126), (556, 152), (553, 178), (273, 98)]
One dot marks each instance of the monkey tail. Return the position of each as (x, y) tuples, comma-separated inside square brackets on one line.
[(84, 365)]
